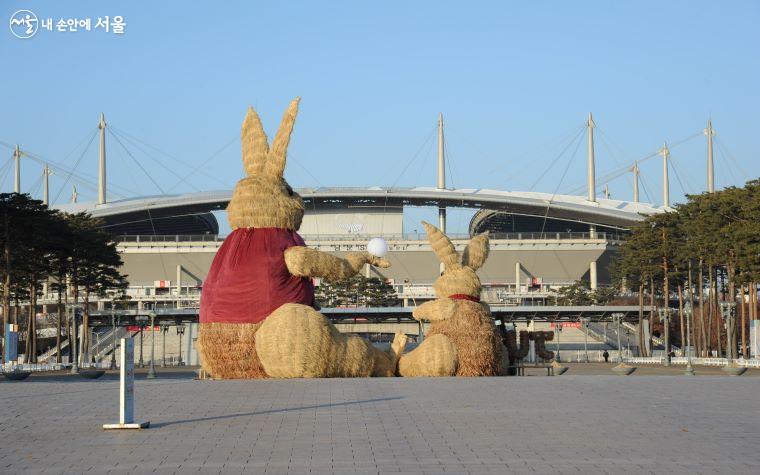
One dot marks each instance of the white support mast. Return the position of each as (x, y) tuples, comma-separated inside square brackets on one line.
[(17, 174), (591, 169), (46, 185), (635, 171), (665, 181), (74, 194), (441, 174), (709, 131), (102, 162), (591, 178)]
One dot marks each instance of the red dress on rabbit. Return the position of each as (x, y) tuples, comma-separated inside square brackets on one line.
[(249, 279)]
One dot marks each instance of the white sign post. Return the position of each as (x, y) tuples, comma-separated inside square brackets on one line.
[(127, 389)]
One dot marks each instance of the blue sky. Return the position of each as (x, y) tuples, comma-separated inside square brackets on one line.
[(514, 80)]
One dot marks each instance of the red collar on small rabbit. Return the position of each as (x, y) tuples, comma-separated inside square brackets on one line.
[(464, 297)]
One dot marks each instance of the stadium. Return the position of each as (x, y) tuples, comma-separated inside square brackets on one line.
[(540, 242), (536, 247)]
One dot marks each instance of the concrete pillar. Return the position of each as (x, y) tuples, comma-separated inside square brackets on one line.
[(592, 231), (592, 275), (179, 281), (189, 352), (532, 345), (518, 269)]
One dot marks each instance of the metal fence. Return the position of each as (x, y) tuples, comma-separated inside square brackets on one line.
[(682, 360), (605, 236)]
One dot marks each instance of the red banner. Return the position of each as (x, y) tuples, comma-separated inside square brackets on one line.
[(135, 328), (568, 324)]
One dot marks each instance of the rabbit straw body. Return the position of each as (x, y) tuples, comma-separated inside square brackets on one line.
[(257, 316), (461, 339)]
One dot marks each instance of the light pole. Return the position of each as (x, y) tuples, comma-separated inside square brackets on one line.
[(558, 327), (141, 322), (180, 332), (164, 329), (152, 368), (113, 336), (689, 369), (585, 322), (140, 363)]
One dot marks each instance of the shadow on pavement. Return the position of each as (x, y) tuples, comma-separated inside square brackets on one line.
[(273, 411)]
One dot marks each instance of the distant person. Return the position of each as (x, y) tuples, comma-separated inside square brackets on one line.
[(606, 356)]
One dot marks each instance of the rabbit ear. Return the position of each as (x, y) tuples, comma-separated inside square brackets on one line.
[(275, 166), (255, 145), (442, 246), (476, 252)]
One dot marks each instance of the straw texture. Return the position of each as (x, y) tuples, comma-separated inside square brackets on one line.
[(386, 364), (457, 278), (275, 166), (228, 350), (435, 310), (263, 199), (255, 145), (296, 341), (262, 202), (435, 356), (474, 335), (467, 325), (305, 262), (461, 280), (442, 246), (476, 252)]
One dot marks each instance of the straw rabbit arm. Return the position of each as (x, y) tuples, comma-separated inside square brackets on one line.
[(305, 262), (435, 310)]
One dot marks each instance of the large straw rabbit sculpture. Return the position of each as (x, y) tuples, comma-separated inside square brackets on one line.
[(462, 339), (257, 315)]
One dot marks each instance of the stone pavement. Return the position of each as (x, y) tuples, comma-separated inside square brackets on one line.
[(566, 424)]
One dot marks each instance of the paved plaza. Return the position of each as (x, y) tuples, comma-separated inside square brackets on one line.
[(575, 423)]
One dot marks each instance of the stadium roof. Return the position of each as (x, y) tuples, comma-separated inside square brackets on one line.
[(605, 212)]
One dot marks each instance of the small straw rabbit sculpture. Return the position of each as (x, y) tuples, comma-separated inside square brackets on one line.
[(462, 339), (257, 315)]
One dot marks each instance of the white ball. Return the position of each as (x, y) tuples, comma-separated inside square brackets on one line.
[(377, 247)]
